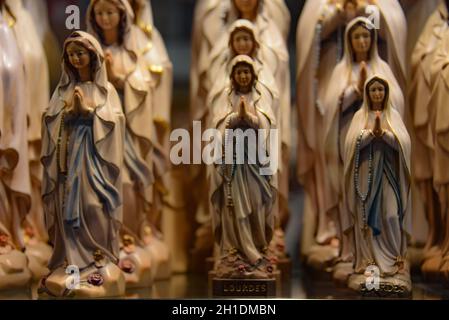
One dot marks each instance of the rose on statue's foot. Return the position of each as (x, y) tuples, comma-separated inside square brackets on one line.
[(136, 263), (102, 279)]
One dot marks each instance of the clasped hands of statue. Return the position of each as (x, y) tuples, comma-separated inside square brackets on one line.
[(78, 105), (243, 117)]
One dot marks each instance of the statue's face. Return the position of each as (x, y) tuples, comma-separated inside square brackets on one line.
[(243, 76), (376, 93), (107, 15), (79, 56), (246, 6), (242, 42), (361, 40)]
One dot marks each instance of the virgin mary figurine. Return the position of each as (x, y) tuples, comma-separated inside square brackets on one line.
[(242, 39), (36, 97), (159, 65), (161, 68), (220, 16), (144, 157), (82, 155), (15, 186), (344, 97), (271, 34), (377, 192), (427, 62), (319, 46), (436, 263), (242, 198)]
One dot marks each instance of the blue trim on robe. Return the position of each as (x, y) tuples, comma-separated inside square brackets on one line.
[(84, 160), (385, 155)]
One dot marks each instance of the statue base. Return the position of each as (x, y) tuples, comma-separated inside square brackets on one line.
[(398, 286), (244, 288), (38, 254), (161, 259), (322, 257), (137, 267), (14, 271), (103, 282), (341, 273)]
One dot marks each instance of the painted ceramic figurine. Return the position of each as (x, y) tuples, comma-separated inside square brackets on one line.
[(319, 41), (436, 263), (360, 61), (219, 17), (36, 98), (39, 11), (417, 13), (82, 155), (242, 198), (159, 65), (378, 193), (15, 186), (424, 73), (392, 28), (144, 156), (320, 44), (242, 39)]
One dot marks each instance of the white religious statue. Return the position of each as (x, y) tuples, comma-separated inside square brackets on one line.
[(377, 192)]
